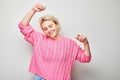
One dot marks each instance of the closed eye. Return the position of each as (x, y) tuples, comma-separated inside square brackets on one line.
[(44, 29), (50, 26)]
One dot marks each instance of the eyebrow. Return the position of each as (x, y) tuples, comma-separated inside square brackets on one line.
[(48, 25)]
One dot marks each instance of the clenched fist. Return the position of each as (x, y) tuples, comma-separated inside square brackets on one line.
[(38, 7), (82, 38)]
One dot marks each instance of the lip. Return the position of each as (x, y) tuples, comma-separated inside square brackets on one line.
[(51, 32)]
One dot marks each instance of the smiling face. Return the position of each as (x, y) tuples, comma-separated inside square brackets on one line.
[(50, 29), (50, 26)]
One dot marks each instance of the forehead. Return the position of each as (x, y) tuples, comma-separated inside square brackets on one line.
[(47, 23)]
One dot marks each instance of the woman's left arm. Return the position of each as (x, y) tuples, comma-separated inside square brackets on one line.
[(84, 40)]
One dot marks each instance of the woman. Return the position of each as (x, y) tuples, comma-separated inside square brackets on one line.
[(53, 55)]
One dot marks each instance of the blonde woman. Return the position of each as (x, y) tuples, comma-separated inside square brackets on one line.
[(53, 55)]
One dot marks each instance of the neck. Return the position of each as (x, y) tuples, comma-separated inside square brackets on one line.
[(56, 37)]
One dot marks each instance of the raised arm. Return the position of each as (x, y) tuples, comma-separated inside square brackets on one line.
[(27, 18), (84, 40)]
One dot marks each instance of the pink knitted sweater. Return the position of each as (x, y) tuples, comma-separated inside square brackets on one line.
[(52, 59)]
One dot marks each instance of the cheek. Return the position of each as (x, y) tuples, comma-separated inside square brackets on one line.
[(55, 27), (45, 32)]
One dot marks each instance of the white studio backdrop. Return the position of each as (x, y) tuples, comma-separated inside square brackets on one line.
[(99, 20)]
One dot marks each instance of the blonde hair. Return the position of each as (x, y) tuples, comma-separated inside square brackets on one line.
[(49, 18)]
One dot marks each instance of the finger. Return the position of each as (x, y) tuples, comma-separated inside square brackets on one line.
[(84, 39), (38, 5), (77, 37), (81, 38), (36, 9), (41, 7)]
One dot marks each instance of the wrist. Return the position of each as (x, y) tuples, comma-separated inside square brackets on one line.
[(33, 10), (86, 44)]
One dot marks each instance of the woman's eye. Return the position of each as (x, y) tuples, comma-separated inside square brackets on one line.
[(50, 26), (45, 29)]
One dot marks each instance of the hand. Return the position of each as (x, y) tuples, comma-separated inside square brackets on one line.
[(38, 7), (82, 38)]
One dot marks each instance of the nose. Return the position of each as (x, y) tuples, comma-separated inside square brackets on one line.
[(48, 31)]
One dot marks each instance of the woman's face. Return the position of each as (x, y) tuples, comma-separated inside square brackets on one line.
[(50, 29)]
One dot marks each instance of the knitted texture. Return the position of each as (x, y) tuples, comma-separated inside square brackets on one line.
[(52, 59)]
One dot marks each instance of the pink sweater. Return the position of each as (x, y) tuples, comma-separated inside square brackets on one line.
[(52, 59)]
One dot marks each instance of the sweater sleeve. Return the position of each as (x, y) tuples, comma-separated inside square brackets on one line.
[(28, 32), (81, 56)]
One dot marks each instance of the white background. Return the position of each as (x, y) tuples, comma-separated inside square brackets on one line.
[(99, 20)]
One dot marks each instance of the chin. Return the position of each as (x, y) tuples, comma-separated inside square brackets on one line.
[(54, 36)]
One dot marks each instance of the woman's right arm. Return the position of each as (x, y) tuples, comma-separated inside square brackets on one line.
[(27, 18), (25, 28)]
